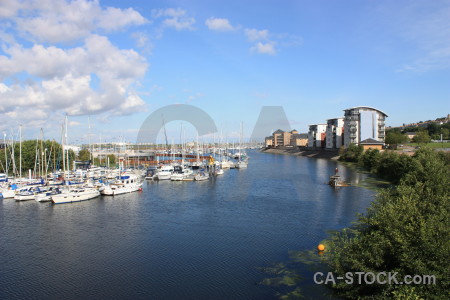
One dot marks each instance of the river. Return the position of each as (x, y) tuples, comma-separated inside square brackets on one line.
[(176, 240)]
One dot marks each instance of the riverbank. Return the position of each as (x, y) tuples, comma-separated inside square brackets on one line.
[(333, 155)]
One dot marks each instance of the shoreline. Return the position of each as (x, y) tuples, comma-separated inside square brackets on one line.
[(332, 154)]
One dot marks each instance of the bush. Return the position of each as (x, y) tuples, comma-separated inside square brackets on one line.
[(352, 153), (405, 230)]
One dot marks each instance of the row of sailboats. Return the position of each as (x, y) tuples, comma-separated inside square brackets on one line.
[(68, 185)]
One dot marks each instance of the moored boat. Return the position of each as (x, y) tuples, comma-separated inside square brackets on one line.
[(75, 195), (124, 184)]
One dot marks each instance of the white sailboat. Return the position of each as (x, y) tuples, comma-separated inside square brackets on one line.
[(242, 163), (75, 195), (201, 176)]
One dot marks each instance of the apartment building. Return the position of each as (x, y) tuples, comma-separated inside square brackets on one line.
[(317, 136), (362, 123), (334, 133)]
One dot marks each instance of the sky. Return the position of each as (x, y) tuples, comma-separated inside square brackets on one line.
[(109, 64)]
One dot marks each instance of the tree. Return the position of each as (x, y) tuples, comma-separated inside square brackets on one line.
[(422, 137), (433, 129), (395, 138), (84, 155), (352, 153), (405, 231), (112, 160), (445, 133)]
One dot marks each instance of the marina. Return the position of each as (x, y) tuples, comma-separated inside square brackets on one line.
[(177, 239)]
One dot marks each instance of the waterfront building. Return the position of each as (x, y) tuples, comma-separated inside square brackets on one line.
[(280, 138), (299, 139), (371, 144), (334, 133), (269, 141), (317, 136), (362, 123)]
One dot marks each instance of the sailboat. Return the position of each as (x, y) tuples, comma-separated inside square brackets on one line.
[(75, 195), (242, 163)]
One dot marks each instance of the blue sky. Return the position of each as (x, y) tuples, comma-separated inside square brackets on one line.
[(119, 61)]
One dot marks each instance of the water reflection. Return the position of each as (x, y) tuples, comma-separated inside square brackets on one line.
[(176, 240)]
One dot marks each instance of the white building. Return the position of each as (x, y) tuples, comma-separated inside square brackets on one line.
[(317, 136), (334, 133), (363, 122)]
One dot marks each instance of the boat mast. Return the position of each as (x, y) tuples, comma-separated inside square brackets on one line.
[(63, 149), (66, 141), (13, 158), (41, 160), (6, 154), (198, 153), (20, 151), (89, 138)]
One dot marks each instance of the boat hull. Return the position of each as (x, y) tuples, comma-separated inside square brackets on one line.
[(108, 191), (77, 197)]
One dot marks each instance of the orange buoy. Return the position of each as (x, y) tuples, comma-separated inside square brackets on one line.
[(321, 247)]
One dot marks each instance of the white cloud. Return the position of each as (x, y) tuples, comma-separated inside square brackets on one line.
[(176, 18), (57, 21), (9, 8), (62, 80), (257, 35), (264, 48), (218, 24)]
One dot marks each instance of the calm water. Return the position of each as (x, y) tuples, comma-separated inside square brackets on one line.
[(175, 240)]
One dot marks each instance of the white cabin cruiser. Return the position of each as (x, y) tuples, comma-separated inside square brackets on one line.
[(180, 173), (124, 184), (164, 173)]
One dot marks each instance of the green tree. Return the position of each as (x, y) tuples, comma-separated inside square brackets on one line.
[(112, 160), (35, 154), (370, 159), (352, 153), (405, 230), (395, 138), (84, 155), (422, 137)]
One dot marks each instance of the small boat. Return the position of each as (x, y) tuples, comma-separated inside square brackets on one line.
[(225, 164), (27, 193), (202, 175), (336, 180), (164, 173), (180, 173), (123, 184), (47, 195), (242, 164), (75, 195), (9, 192)]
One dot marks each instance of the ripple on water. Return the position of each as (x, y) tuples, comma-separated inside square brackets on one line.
[(175, 240)]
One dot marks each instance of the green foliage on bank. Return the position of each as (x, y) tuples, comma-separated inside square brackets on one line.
[(405, 230), (35, 153)]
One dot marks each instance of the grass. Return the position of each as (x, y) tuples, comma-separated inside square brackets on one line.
[(430, 145)]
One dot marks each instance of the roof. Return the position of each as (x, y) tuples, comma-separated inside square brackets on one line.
[(278, 131), (368, 107), (300, 135), (371, 142), (336, 118)]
